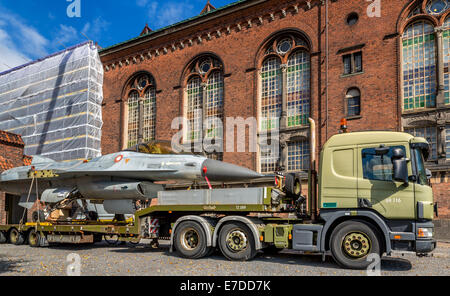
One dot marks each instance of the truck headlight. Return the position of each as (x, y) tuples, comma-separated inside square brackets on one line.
[(425, 233)]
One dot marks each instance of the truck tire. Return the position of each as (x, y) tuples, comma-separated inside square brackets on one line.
[(351, 242), (34, 239), (16, 238), (236, 242), (190, 240), (2, 237)]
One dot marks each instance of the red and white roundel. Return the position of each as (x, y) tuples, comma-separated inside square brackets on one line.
[(118, 158)]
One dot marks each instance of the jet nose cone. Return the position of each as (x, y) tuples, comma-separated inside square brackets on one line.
[(222, 171)]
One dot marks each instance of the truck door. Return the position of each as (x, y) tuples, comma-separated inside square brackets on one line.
[(392, 199)]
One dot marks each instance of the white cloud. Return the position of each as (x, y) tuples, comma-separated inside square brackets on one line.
[(66, 36), (141, 3), (19, 42), (169, 12), (94, 29), (10, 56)]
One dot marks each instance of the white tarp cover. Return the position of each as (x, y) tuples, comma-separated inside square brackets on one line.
[(55, 104)]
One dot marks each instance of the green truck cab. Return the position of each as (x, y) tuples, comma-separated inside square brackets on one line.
[(380, 179)]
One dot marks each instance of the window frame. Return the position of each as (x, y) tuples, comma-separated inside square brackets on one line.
[(353, 68)]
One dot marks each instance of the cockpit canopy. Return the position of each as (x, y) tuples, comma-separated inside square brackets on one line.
[(153, 147)]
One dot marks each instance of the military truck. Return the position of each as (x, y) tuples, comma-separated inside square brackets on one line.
[(370, 195)]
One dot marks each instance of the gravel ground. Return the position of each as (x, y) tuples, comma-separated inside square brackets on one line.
[(102, 259)]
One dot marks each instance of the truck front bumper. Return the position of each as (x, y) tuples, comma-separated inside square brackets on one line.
[(425, 246)]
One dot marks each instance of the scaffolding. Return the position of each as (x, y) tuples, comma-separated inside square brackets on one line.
[(55, 104)]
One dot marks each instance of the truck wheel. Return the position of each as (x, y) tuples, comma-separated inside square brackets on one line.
[(190, 240), (2, 237), (16, 237), (351, 242), (34, 239), (236, 242)]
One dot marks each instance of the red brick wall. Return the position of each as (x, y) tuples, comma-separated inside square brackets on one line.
[(441, 191), (14, 155)]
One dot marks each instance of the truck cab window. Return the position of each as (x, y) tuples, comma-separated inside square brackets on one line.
[(378, 167), (421, 171)]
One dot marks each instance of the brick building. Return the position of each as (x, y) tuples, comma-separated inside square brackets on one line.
[(381, 67), (11, 155)]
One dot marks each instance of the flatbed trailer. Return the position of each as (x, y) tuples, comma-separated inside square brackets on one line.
[(371, 195)]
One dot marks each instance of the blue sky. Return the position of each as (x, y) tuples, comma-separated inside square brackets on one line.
[(31, 29)]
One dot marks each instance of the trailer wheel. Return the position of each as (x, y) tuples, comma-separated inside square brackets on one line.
[(190, 240), (236, 242), (38, 216), (16, 237), (34, 239), (2, 237), (351, 242)]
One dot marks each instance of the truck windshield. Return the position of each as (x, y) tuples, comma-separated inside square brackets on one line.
[(420, 165)]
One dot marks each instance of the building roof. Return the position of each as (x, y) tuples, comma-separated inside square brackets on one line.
[(27, 160), (203, 15), (44, 58), (11, 139), (146, 30), (5, 164), (208, 7)]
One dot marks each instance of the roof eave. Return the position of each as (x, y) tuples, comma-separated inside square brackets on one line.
[(180, 26)]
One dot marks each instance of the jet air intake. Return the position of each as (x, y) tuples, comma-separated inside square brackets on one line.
[(119, 190)]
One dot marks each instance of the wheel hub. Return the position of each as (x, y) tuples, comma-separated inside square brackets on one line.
[(236, 240), (356, 245), (189, 239)]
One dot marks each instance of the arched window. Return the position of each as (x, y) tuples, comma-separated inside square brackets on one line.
[(353, 102), (271, 93), (419, 66), (285, 97), (141, 110), (204, 103), (288, 54)]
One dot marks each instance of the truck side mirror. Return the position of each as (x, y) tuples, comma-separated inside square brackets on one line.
[(400, 164)]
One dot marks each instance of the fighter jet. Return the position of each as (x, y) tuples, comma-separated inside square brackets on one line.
[(118, 179)]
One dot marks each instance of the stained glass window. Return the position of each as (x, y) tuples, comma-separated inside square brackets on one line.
[(271, 94), (298, 89), (419, 66), (430, 134), (194, 108), (149, 114), (446, 55), (214, 102), (298, 155), (269, 162), (133, 118)]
